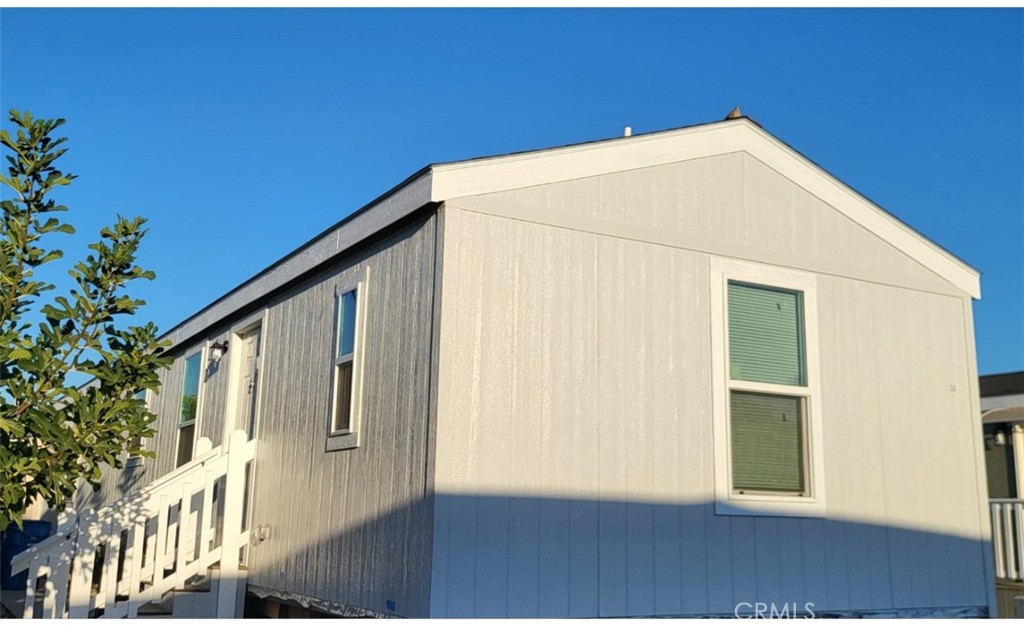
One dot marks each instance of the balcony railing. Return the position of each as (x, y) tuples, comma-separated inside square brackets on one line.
[(1007, 533), (109, 563)]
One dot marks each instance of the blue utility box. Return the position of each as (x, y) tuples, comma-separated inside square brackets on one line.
[(13, 541)]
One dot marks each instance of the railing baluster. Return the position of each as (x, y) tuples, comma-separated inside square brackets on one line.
[(1018, 546), (1008, 522), (134, 571), (60, 577), (159, 553), (82, 567), (49, 596), (997, 539), (206, 511), (34, 571), (184, 555), (133, 562), (107, 594)]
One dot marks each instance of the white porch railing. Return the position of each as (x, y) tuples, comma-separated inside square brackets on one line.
[(1008, 537), (110, 562)]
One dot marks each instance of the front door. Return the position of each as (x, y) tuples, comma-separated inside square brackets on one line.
[(246, 408), (249, 382)]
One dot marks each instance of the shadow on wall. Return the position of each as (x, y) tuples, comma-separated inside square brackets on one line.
[(131, 477), (499, 556)]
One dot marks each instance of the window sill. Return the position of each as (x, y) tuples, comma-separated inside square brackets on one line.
[(775, 506), (345, 441)]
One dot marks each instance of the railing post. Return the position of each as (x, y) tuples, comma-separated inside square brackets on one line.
[(59, 579), (234, 492), (108, 587), (82, 566), (182, 551), (133, 561), (50, 602), (35, 566)]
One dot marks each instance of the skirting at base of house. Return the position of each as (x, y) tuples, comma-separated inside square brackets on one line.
[(953, 612), (337, 609), (340, 609)]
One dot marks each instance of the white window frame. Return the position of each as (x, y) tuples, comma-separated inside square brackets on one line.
[(202, 352), (348, 438), (727, 501)]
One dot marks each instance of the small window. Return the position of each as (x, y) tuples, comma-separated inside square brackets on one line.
[(343, 357), (346, 378), (767, 404), (189, 408)]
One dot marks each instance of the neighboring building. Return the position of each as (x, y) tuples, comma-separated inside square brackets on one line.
[(1002, 418), (668, 374)]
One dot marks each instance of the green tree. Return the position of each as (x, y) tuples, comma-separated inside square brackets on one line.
[(52, 433)]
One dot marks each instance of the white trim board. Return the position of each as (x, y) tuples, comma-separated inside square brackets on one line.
[(471, 178)]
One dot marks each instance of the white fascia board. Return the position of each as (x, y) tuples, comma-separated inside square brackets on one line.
[(473, 178), (375, 217), (875, 219), (483, 176)]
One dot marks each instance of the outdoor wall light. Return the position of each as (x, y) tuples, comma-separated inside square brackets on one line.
[(217, 350)]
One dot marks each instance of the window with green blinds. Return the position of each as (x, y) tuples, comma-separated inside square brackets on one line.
[(767, 433), (767, 390), (766, 335)]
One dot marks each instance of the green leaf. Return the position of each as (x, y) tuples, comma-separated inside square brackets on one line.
[(19, 353)]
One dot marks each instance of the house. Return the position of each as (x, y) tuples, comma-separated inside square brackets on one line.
[(1002, 423), (681, 373)]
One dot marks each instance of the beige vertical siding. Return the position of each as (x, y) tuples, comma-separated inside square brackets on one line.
[(574, 472), (349, 526)]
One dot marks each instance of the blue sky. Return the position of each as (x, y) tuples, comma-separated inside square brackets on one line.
[(241, 133)]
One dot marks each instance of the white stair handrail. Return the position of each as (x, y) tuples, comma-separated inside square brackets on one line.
[(205, 452), (88, 569)]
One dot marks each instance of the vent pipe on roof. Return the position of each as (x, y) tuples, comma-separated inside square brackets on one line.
[(628, 132)]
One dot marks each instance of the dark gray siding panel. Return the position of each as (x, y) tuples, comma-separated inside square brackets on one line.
[(350, 526)]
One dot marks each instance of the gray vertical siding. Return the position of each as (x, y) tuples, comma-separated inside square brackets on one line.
[(350, 526), (575, 469)]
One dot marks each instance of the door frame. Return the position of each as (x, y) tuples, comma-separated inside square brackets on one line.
[(235, 344)]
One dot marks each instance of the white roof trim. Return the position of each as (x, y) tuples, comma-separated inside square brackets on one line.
[(472, 178)]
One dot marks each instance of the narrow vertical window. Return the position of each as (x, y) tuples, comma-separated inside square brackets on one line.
[(189, 409), (347, 352), (344, 357)]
